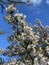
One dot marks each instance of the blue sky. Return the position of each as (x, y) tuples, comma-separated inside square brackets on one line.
[(39, 10)]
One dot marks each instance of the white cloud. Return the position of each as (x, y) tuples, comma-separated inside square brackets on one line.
[(47, 1), (35, 2)]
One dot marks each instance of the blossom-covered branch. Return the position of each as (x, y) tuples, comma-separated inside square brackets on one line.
[(4, 3), (29, 43)]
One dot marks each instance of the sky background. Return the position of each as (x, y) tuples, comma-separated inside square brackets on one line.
[(39, 10)]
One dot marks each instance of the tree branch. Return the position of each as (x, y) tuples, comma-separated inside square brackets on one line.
[(12, 2)]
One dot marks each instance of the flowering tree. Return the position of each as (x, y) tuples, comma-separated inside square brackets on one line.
[(29, 43), (4, 3)]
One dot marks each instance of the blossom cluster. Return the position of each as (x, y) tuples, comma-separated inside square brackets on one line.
[(29, 43)]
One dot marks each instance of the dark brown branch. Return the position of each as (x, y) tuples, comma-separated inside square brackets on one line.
[(4, 2), (12, 2), (2, 7), (26, 3)]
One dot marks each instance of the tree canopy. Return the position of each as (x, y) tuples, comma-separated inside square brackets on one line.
[(29, 42)]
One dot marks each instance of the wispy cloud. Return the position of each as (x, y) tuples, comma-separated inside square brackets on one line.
[(47, 1), (35, 2)]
